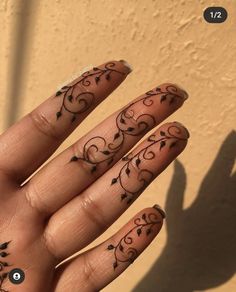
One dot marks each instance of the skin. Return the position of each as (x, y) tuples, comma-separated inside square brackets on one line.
[(60, 209)]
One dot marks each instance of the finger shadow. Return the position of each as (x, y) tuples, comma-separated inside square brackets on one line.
[(200, 251)]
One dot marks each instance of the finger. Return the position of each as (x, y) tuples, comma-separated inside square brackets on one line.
[(82, 163), (96, 208), (32, 140), (175, 195), (96, 268)]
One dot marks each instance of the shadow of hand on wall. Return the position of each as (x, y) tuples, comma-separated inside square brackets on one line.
[(201, 243)]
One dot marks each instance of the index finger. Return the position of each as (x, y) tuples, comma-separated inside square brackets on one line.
[(32, 140)]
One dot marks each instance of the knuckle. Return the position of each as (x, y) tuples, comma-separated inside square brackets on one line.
[(44, 125), (85, 164), (93, 212), (49, 244), (34, 201)]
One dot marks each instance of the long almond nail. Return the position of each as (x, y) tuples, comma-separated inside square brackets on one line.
[(183, 92), (130, 68), (159, 209)]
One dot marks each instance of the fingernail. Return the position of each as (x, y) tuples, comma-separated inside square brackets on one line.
[(182, 126), (127, 65), (160, 210), (184, 93)]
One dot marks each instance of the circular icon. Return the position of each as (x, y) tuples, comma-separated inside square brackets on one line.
[(16, 276)]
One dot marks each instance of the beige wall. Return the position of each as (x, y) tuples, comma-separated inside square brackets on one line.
[(44, 43)]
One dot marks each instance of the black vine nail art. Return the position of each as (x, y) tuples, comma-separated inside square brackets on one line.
[(133, 166), (76, 103), (126, 125), (124, 252), (3, 264)]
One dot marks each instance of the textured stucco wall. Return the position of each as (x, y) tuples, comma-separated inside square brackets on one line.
[(44, 43)]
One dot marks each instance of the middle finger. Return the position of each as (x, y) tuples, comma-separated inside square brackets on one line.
[(78, 166)]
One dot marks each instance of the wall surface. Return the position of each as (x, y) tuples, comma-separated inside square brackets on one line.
[(44, 43)]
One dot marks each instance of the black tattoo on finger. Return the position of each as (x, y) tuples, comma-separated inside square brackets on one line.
[(125, 251), (3, 264), (76, 101), (133, 177), (98, 150)]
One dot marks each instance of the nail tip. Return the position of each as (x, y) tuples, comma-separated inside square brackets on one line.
[(160, 210), (185, 94), (127, 65), (186, 130)]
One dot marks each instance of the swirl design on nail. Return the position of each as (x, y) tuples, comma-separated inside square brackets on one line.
[(132, 178), (125, 250), (77, 102), (3, 264), (97, 150)]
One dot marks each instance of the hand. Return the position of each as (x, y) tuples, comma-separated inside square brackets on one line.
[(76, 196)]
